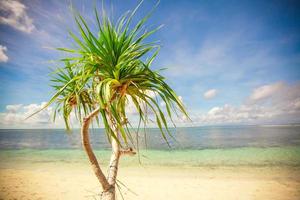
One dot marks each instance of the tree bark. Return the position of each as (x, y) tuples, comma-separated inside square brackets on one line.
[(113, 165), (108, 184), (109, 194), (114, 162), (89, 151)]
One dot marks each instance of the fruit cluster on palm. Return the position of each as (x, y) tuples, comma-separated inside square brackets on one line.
[(106, 71)]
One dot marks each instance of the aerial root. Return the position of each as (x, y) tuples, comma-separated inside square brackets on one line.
[(129, 151)]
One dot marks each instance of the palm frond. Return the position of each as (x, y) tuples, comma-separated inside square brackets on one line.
[(107, 69)]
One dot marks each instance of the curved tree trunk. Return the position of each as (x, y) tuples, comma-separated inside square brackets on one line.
[(108, 184), (112, 170), (89, 151), (113, 164)]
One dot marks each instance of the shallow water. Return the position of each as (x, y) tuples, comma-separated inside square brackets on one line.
[(248, 156), (201, 146)]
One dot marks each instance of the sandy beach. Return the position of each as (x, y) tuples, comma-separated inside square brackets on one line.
[(76, 181), (46, 172)]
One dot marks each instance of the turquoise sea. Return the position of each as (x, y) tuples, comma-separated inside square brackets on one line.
[(196, 146)]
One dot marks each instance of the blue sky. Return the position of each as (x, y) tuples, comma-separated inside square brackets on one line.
[(231, 61)]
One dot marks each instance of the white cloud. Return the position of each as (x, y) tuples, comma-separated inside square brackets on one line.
[(3, 56), (236, 114), (13, 108), (274, 103), (15, 117), (210, 94), (132, 111), (14, 14), (214, 110), (271, 107), (266, 91), (131, 108)]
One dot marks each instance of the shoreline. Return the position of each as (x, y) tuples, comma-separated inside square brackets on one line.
[(245, 156), (217, 174)]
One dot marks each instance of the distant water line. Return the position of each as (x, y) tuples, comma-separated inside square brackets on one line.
[(186, 138), (201, 146)]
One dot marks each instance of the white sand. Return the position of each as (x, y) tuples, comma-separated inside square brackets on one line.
[(72, 182)]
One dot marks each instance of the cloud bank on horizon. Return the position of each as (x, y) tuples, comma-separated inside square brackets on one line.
[(233, 62)]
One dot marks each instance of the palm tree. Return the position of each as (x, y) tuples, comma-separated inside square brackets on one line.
[(105, 72)]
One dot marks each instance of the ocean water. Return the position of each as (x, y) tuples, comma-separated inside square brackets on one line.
[(196, 146)]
